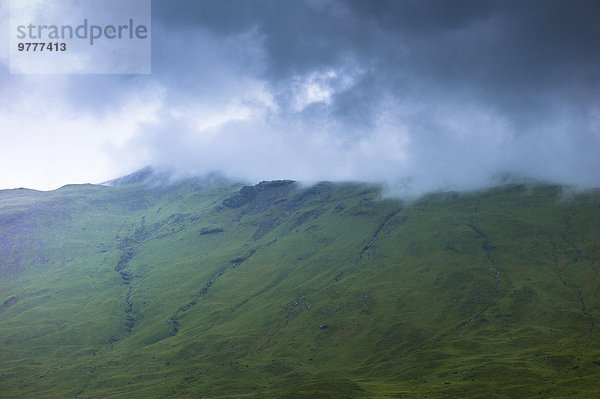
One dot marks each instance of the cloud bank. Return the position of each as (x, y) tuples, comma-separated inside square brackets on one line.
[(418, 95)]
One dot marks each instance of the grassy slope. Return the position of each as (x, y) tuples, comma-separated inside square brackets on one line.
[(491, 294)]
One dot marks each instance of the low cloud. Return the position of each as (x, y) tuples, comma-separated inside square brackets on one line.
[(417, 95)]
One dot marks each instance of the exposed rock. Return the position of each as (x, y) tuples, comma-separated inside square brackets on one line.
[(249, 193), (242, 197), (241, 259), (298, 306), (339, 276), (10, 301), (305, 216), (210, 230), (128, 247)]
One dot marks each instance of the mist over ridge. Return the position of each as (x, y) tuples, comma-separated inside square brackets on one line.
[(418, 96)]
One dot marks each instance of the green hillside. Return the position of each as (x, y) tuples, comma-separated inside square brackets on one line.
[(207, 289)]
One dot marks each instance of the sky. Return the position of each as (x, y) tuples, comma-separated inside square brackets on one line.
[(419, 95)]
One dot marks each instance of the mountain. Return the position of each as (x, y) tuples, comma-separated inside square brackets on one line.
[(205, 288)]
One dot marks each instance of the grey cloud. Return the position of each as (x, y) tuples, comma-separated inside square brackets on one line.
[(442, 94), (474, 88), (508, 53)]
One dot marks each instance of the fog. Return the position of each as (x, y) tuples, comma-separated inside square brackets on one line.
[(417, 95)]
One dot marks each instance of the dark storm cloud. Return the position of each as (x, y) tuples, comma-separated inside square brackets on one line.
[(453, 91), (507, 53), (298, 35), (424, 94)]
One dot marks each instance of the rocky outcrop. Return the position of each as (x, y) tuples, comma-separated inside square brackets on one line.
[(210, 230), (128, 247), (263, 192)]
